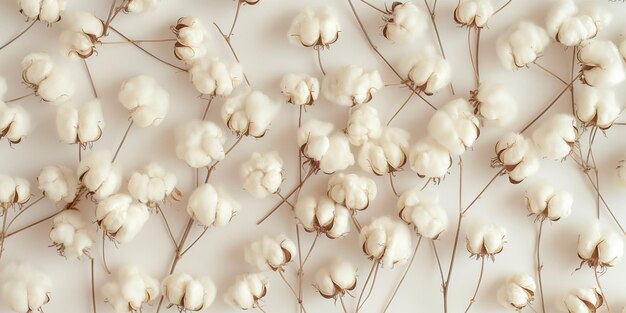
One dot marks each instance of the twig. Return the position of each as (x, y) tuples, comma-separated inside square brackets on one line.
[(21, 97), (480, 279), (393, 188), (22, 211), (595, 272), (18, 35), (446, 284), (401, 107), (471, 56), (540, 266), (93, 85), (104, 253), (367, 280), (343, 305), (167, 225), (195, 241), (119, 146), (93, 287), (406, 271), (206, 109), (4, 227), (232, 28), (443, 280), (369, 293), (319, 61), (478, 30), (137, 41), (549, 72), (501, 8), (356, 223), (35, 223), (295, 294), (232, 50), (572, 77), (374, 7), (295, 189), (483, 190), (432, 14)]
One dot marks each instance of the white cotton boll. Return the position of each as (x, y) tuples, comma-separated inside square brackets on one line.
[(247, 290), (15, 122), (485, 240), (323, 216), (85, 22), (338, 157), (427, 71), (121, 218), (517, 292), (51, 83), (146, 100), (597, 247), (212, 206), (313, 138), (129, 289), (335, 279), (386, 154), (352, 191), (71, 234), (83, 32), (262, 174), (596, 107), (601, 63), (473, 13), (581, 301), (555, 137), (250, 113), (429, 159), (200, 143), (351, 85), (13, 191), (80, 124), (423, 212), (405, 23), (387, 241), (544, 201), (454, 126), (521, 45), (99, 175), (363, 124), (58, 183), (191, 39), (571, 25), (494, 104), (300, 89), (141, 6), (315, 28), (188, 293), (213, 77), (517, 156), (152, 185), (48, 11), (23, 289), (270, 253)]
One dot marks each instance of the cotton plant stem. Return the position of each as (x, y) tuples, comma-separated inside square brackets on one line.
[(293, 191), (471, 57), (293, 290), (300, 263), (208, 106), (91, 83), (393, 187), (285, 199), (119, 146), (592, 136), (18, 35), (4, 227), (406, 271), (436, 252), (104, 254), (572, 77), (374, 7), (22, 211), (446, 284), (167, 225), (502, 7), (369, 293), (20, 97), (606, 302), (540, 266), (543, 68), (480, 279), (113, 12), (80, 152), (195, 241), (356, 222), (298, 241), (478, 30), (232, 50), (137, 41), (93, 287), (401, 107), (319, 60), (432, 14), (343, 305)]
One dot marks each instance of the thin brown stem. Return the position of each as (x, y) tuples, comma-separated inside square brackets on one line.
[(319, 60), (20, 97), (606, 205), (367, 280), (293, 191), (343, 304), (18, 35), (195, 241), (260, 308), (232, 50), (139, 41), (301, 264), (606, 302), (232, 28), (549, 72), (91, 83), (34, 223), (374, 7), (306, 258), (293, 290), (119, 146), (167, 225), (502, 7), (406, 271), (436, 252), (478, 30), (572, 77), (369, 293), (93, 287), (4, 228), (393, 188), (111, 10), (80, 152), (285, 199), (22, 211), (426, 184), (483, 190), (480, 279), (104, 253), (471, 56), (540, 266), (356, 223), (434, 22), (401, 107), (446, 284), (206, 109)]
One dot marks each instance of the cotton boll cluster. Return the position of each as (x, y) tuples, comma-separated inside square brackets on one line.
[(423, 212), (200, 143), (141, 6), (82, 32), (363, 124), (521, 45), (319, 28), (323, 216), (335, 279), (485, 240), (571, 25), (249, 114), (191, 39), (587, 300), (596, 107), (58, 183), (517, 156), (494, 104), (327, 151), (545, 202), (50, 82), (556, 137), (300, 89), (213, 77), (212, 206), (405, 22), (262, 174), (473, 13), (48, 11), (429, 159), (351, 85), (352, 191), (146, 100), (24, 289), (270, 253), (99, 175), (71, 234), (153, 185), (188, 293), (387, 241), (129, 289), (121, 218), (80, 123), (426, 71), (517, 292), (601, 63), (14, 122), (599, 248), (454, 126), (247, 290), (13, 191), (386, 154)]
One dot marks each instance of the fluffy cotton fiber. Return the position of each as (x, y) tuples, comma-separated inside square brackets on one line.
[(50, 82), (212, 206), (191, 39), (363, 124), (521, 45), (581, 300), (323, 216), (335, 279), (387, 241), (494, 104), (601, 63), (188, 293), (141, 6), (249, 114), (58, 183), (315, 28), (213, 77), (24, 289), (423, 212), (596, 107), (329, 151), (13, 191), (82, 32), (352, 191), (15, 122), (599, 248), (247, 290), (80, 123), (71, 234), (48, 11), (428, 158), (121, 218), (200, 143), (427, 71), (262, 174), (147, 102), (485, 240), (405, 22), (473, 13), (99, 175), (152, 185), (517, 292), (300, 89), (570, 24), (517, 156), (544, 201), (454, 126), (270, 253), (386, 154), (129, 289), (351, 85), (555, 137)]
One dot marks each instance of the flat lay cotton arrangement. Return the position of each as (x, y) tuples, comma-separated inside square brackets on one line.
[(344, 156)]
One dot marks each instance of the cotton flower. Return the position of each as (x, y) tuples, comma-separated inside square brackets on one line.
[(270, 253), (82, 33), (494, 104), (147, 101), (121, 218), (599, 248), (213, 77), (545, 202), (386, 154), (517, 292), (323, 216), (99, 175), (200, 143), (153, 185), (188, 293), (141, 6), (587, 300), (315, 28), (335, 279), (485, 240), (426, 71), (363, 124), (571, 25), (555, 138), (352, 191), (80, 124), (300, 89), (212, 206), (351, 85), (596, 107), (473, 13), (404, 22), (249, 114), (601, 63), (429, 159), (71, 234), (386, 241), (247, 290), (423, 212), (517, 156), (521, 45), (454, 126), (326, 151), (14, 122), (48, 11), (50, 82), (13, 191), (262, 174), (23, 289), (58, 183), (191, 39), (129, 289)]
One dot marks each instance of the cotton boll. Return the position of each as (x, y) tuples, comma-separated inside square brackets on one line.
[(351, 85), (300, 89), (517, 156), (571, 25), (270, 253), (50, 82), (426, 71), (386, 154), (587, 300), (323, 216), (58, 183), (429, 159), (485, 240), (601, 63), (146, 100), (598, 248), (121, 218), (596, 107), (555, 137), (387, 241), (454, 126), (335, 279), (494, 104), (517, 292), (338, 157), (23, 289), (14, 122), (191, 39), (329, 153), (48, 11), (83, 32), (315, 28), (352, 191), (99, 175), (71, 234), (521, 45), (129, 289), (211, 206), (141, 6), (213, 77), (80, 124), (188, 293), (247, 290), (423, 212), (405, 22), (153, 185), (200, 143), (363, 124), (473, 13), (262, 174), (13, 191), (249, 114), (545, 202)]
